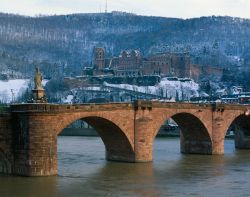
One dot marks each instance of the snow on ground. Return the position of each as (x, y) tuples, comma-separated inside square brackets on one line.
[(12, 89), (93, 88), (68, 99), (166, 88)]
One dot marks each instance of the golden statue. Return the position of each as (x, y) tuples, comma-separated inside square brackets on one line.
[(38, 79)]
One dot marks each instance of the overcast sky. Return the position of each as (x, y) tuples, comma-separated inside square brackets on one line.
[(167, 8)]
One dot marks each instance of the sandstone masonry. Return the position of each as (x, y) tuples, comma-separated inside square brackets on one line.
[(28, 132)]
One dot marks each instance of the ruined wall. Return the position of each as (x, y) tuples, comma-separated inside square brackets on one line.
[(197, 71), (176, 64), (156, 67)]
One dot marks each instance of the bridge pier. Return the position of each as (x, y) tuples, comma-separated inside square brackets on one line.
[(218, 134), (35, 145), (143, 140), (144, 131), (6, 151)]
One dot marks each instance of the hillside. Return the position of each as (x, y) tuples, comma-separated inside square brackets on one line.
[(61, 45), (69, 39)]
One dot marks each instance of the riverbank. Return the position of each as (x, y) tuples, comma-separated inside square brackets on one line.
[(89, 132), (79, 132)]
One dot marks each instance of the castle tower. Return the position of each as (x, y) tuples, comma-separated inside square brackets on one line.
[(99, 58)]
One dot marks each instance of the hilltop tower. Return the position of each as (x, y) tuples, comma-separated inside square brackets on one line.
[(99, 58), (106, 6)]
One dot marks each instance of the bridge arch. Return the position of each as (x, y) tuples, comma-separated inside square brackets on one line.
[(195, 137), (240, 126), (195, 131), (117, 144)]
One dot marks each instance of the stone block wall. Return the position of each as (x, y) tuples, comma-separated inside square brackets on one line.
[(36, 129), (6, 151), (28, 135)]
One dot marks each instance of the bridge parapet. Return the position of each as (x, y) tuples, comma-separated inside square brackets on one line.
[(139, 104), (225, 106), (189, 105), (143, 104), (68, 108), (181, 105)]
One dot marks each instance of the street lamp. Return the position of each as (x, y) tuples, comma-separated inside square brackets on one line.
[(12, 95)]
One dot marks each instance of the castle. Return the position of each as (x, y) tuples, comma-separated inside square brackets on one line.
[(132, 63)]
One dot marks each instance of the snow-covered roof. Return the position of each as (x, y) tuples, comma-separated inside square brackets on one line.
[(130, 53)]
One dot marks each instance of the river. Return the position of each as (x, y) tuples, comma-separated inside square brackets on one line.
[(83, 171)]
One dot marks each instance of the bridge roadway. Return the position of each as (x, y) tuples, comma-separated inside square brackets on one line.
[(28, 132)]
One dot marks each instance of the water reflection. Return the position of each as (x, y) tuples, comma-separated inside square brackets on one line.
[(83, 171), (27, 186), (116, 178)]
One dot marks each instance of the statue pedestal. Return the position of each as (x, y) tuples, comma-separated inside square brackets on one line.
[(38, 96)]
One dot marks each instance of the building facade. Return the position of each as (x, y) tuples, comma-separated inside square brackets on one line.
[(132, 63), (167, 64)]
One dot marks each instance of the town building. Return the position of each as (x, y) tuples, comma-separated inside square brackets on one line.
[(241, 98)]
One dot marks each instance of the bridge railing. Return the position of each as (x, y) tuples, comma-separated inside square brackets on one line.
[(67, 107), (138, 104)]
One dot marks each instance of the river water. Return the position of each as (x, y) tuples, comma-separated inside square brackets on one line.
[(83, 171)]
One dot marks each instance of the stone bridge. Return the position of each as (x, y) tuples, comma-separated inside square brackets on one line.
[(28, 132)]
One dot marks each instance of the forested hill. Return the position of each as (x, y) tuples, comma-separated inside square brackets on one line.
[(69, 39)]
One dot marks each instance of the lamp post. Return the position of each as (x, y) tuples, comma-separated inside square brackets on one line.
[(12, 95)]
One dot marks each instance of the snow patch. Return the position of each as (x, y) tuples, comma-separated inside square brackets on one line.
[(11, 89), (180, 89), (68, 99)]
